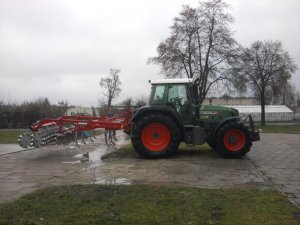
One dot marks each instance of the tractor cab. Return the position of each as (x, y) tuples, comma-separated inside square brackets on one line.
[(175, 93)]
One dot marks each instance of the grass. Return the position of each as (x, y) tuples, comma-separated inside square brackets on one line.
[(97, 204), (286, 128), (10, 136)]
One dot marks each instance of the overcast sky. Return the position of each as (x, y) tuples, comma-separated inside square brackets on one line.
[(61, 48)]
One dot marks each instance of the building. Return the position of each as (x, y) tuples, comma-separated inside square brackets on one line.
[(79, 111), (252, 106), (274, 113), (231, 101)]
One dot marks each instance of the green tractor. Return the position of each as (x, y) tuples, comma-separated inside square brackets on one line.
[(173, 116)]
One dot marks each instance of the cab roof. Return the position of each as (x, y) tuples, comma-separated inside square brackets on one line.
[(172, 81)]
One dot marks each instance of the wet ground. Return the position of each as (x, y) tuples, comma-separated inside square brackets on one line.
[(9, 148), (272, 163)]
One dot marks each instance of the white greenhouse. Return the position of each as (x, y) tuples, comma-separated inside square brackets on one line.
[(273, 112)]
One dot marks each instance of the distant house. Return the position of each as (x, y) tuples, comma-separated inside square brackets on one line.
[(79, 111)]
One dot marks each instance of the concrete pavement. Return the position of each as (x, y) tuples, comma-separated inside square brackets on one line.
[(272, 161), (277, 158)]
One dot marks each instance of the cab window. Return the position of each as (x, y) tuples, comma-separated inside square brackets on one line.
[(157, 95), (177, 93)]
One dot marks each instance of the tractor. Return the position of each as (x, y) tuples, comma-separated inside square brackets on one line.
[(174, 116)]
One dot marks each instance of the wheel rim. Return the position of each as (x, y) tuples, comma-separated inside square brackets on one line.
[(234, 140), (156, 136)]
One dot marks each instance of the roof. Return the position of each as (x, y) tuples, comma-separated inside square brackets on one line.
[(172, 81), (257, 108)]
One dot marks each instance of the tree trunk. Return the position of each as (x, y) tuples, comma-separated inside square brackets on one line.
[(109, 101), (200, 94), (283, 96), (262, 105)]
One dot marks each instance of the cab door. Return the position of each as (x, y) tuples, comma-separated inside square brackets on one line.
[(179, 98)]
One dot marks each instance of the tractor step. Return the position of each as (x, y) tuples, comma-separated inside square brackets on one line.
[(194, 135)]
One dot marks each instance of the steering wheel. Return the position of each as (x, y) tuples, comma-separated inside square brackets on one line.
[(176, 100)]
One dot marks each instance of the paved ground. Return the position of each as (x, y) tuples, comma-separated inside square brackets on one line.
[(272, 161), (277, 158)]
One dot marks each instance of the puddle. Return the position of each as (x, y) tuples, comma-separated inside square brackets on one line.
[(95, 157), (115, 181), (92, 160), (74, 162)]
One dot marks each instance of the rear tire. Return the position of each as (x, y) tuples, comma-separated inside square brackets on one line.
[(155, 136), (233, 140)]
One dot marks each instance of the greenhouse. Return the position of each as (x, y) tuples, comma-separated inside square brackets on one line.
[(273, 112)]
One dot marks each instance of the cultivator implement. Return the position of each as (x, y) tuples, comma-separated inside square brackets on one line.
[(65, 129)]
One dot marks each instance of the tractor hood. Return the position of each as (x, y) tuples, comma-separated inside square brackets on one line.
[(214, 113)]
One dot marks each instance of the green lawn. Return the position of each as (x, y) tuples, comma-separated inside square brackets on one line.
[(98, 204), (279, 128), (10, 136)]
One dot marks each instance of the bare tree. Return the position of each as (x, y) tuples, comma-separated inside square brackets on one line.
[(102, 106), (63, 106), (126, 102), (297, 98), (265, 67), (1, 100), (111, 84), (200, 45), (23, 115), (141, 101), (289, 96)]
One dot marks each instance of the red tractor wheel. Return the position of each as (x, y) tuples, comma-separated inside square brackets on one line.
[(155, 136), (233, 140)]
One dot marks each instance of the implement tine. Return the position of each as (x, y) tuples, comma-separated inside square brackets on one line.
[(111, 135), (105, 137), (114, 135), (76, 139), (91, 139)]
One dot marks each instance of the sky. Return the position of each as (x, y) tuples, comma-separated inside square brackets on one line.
[(60, 49)]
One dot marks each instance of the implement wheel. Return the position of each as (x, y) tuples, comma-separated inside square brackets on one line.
[(233, 140), (155, 136)]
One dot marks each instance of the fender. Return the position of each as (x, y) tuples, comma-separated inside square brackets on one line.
[(160, 109)]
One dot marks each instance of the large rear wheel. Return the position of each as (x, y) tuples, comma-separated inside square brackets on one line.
[(233, 140), (155, 136)]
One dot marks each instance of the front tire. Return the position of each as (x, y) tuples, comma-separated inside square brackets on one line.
[(233, 140), (155, 136)]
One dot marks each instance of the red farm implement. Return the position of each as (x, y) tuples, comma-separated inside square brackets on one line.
[(65, 129)]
